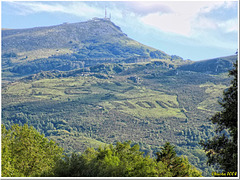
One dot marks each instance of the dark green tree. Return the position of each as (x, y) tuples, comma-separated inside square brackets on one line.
[(222, 149), (122, 160), (25, 152), (177, 166)]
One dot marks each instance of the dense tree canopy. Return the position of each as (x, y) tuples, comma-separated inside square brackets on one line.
[(222, 149), (25, 152), (178, 166), (124, 160)]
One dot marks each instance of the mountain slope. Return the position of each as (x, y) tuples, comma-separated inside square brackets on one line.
[(70, 46), (60, 36), (212, 66)]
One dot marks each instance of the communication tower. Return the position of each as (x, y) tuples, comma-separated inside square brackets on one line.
[(107, 18)]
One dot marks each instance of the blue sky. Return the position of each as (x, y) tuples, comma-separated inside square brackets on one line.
[(194, 30)]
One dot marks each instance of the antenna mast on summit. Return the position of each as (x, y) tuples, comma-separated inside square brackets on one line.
[(105, 12), (106, 15)]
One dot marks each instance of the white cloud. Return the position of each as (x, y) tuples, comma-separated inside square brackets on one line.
[(185, 17), (173, 23), (203, 23), (229, 25), (144, 8), (210, 6), (74, 8)]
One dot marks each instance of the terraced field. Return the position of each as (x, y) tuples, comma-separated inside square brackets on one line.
[(145, 103)]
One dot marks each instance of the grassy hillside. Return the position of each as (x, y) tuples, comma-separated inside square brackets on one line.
[(147, 103), (70, 46)]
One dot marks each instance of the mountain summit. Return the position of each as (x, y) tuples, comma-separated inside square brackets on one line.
[(94, 39), (61, 36)]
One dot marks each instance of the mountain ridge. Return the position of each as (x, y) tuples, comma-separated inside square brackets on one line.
[(67, 36), (212, 66)]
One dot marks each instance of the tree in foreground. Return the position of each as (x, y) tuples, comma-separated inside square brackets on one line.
[(124, 160), (25, 152), (178, 166), (222, 149)]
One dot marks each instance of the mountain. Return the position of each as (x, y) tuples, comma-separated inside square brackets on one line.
[(88, 84), (212, 66), (70, 46)]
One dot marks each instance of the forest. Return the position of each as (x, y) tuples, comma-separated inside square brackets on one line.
[(27, 153)]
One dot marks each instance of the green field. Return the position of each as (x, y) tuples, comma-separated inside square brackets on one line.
[(146, 103)]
